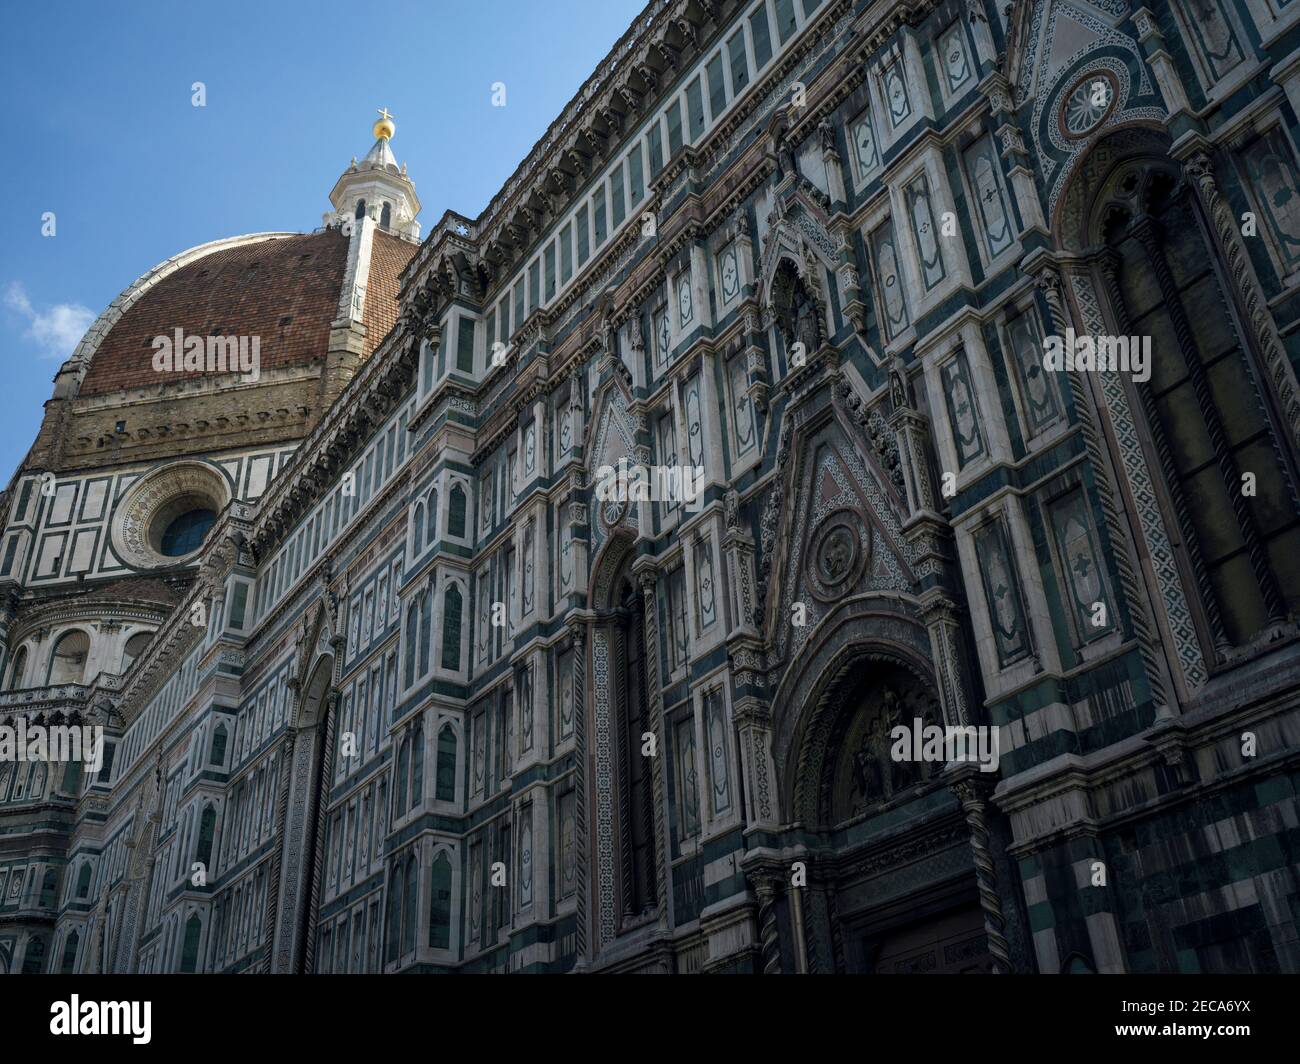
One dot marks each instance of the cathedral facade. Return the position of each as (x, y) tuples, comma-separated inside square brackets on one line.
[(971, 325)]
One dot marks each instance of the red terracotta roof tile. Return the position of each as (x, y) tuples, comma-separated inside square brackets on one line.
[(284, 291), (388, 258)]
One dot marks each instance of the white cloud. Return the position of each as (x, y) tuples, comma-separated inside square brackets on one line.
[(56, 330)]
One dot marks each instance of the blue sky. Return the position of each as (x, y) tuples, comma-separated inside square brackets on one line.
[(98, 127)]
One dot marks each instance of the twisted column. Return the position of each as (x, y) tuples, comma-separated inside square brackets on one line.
[(578, 633), (648, 579), (281, 820), (324, 782), (771, 944), (969, 793), (1251, 295)]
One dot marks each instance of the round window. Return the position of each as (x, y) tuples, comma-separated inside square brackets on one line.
[(166, 515), (1088, 104), (186, 532)]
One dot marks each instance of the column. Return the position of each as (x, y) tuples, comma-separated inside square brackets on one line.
[(972, 793), (648, 578)]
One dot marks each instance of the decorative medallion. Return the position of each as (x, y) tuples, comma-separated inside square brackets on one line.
[(663, 337), (154, 504), (613, 512), (1088, 104), (730, 275), (841, 547)]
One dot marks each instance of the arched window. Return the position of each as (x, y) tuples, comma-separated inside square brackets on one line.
[(6, 779), (394, 914), (361, 209), (72, 779), (417, 766), (1206, 403), (408, 909), (639, 853), (431, 533), (451, 611), (403, 771), (417, 529), (440, 902), (19, 669), (69, 964), (36, 782), (49, 888), (68, 662), (134, 648), (426, 634), (34, 958), (207, 826), (83, 880), (412, 637), (445, 788), (456, 512), (386, 216), (219, 739), (190, 950)]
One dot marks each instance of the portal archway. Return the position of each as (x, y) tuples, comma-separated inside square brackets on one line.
[(624, 693), (303, 829)]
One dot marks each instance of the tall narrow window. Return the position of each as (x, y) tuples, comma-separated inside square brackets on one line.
[(412, 637), (190, 950), (440, 902), (635, 176), (717, 86), (762, 37), (451, 621), (674, 127), (638, 856), (417, 765), (445, 787), (695, 109), (408, 908), (207, 827), (426, 635), (403, 776), (739, 62), (465, 345), (456, 511), (617, 201)]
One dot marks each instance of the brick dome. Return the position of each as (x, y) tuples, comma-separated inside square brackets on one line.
[(282, 288)]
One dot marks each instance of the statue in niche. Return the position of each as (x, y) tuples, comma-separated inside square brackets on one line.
[(795, 310), (868, 780), (898, 390), (786, 165), (865, 773), (806, 330)]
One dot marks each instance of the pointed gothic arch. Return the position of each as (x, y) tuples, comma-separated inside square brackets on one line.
[(873, 636), (624, 689), (1147, 264), (309, 765)]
